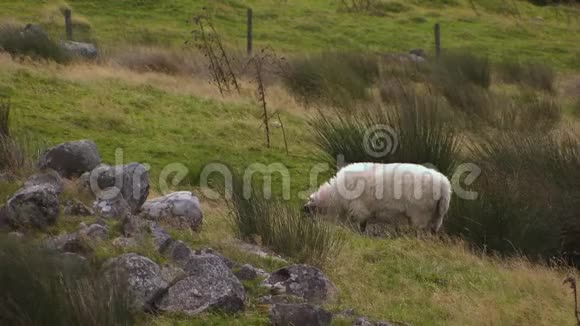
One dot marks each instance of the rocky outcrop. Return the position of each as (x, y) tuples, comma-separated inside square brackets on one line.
[(303, 281), (141, 275), (35, 206), (71, 159), (179, 209), (47, 179), (209, 286), (299, 314)]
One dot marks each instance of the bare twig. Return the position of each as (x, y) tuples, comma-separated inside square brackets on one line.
[(208, 41), (572, 281), (283, 133)]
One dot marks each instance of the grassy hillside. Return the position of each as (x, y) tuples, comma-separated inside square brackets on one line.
[(429, 282), (162, 120), (500, 29)]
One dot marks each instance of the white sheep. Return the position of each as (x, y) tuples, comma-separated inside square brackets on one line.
[(397, 194)]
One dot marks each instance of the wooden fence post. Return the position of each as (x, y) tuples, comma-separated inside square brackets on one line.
[(250, 31), (68, 24), (437, 39)]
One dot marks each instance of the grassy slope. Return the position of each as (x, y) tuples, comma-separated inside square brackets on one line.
[(497, 29), (420, 282)]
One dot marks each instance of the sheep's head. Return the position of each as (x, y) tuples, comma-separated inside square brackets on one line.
[(318, 201)]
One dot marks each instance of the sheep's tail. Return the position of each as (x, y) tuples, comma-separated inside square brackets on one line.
[(442, 208)]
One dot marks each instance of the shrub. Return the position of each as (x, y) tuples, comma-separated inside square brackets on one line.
[(529, 113), (152, 59), (333, 78), (415, 130), (18, 41), (534, 75), (463, 79), (529, 196), (282, 228), (462, 68), (41, 287)]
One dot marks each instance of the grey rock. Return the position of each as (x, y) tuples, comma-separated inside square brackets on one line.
[(304, 281), (171, 274), (80, 49), (73, 207), (176, 250), (211, 252), (35, 206), (158, 233), (418, 52), (299, 314), (364, 321), (140, 274), (179, 208), (248, 272), (124, 243), (133, 226), (71, 159), (36, 31), (4, 218), (259, 251), (210, 286), (71, 242), (131, 181), (112, 205), (47, 179), (95, 232)]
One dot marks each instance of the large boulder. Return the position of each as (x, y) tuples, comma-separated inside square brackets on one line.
[(299, 314), (71, 159), (79, 49), (35, 206), (140, 274), (210, 286), (303, 281), (131, 181), (179, 208), (47, 179)]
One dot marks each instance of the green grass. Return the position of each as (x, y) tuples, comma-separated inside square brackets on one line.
[(288, 26), (150, 125), (426, 282)]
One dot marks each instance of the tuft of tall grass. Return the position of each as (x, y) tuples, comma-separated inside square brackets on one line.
[(19, 153), (414, 130), (41, 287), (332, 78), (535, 75), (463, 79), (20, 43), (529, 196), (282, 228), (528, 113)]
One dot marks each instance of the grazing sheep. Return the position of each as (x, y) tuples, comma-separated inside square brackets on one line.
[(397, 194)]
